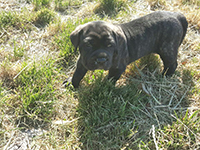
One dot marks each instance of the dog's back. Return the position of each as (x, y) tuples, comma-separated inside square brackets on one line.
[(149, 19), (183, 22), (153, 30)]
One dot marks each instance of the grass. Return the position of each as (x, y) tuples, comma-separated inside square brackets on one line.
[(107, 116), (44, 17), (38, 4), (190, 2), (142, 111), (39, 100), (110, 7), (62, 40), (62, 5), (156, 4)]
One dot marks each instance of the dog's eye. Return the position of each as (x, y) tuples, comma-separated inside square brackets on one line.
[(87, 44)]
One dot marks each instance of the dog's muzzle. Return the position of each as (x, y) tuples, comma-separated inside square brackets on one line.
[(100, 60)]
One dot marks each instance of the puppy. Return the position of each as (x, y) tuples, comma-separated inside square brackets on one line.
[(112, 47)]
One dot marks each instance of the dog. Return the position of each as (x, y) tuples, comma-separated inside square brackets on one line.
[(112, 47)]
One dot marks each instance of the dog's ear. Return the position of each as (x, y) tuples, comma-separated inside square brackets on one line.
[(75, 36), (121, 52)]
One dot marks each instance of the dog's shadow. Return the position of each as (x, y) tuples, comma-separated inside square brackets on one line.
[(114, 117)]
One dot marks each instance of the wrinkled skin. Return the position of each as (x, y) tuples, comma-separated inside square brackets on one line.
[(103, 45)]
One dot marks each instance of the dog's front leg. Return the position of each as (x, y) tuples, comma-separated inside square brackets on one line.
[(77, 76), (115, 73)]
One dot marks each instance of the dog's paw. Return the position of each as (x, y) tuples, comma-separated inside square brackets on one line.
[(67, 83)]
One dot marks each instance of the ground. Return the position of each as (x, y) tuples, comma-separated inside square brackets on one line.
[(144, 110)]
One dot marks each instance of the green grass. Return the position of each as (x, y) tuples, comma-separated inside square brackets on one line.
[(41, 4), (142, 111), (108, 114), (190, 2), (36, 90), (110, 7), (62, 5), (8, 19), (43, 17)]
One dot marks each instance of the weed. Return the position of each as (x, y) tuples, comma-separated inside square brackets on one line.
[(110, 7), (44, 17)]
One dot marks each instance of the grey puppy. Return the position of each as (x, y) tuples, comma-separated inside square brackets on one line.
[(103, 45)]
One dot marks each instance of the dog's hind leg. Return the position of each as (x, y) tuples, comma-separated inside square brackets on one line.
[(169, 67), (169, 58)]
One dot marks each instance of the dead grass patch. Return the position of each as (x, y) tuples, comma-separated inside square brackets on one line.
[(156, 4), (193, 17), (7, 72), (190, 2)]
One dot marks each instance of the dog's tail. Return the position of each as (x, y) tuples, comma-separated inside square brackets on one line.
[(182, 19)]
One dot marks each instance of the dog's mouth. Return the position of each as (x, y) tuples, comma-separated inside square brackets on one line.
[(101, 63), (100, 60)]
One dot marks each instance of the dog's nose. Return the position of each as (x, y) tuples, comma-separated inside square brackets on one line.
[(101, 60)]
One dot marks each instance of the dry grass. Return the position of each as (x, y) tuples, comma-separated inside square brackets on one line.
[(143, 111), (156, 4)]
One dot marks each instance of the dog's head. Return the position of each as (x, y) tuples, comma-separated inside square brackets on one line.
[(100, 44)]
